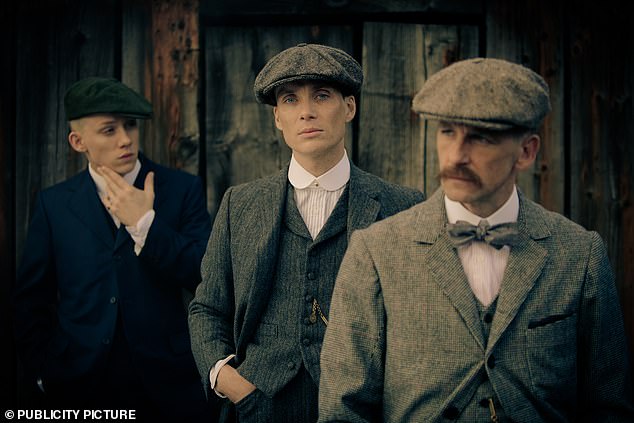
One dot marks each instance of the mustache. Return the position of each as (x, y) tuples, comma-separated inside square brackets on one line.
[(459, 172)]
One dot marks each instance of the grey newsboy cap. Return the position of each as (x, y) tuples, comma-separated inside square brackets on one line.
[(313, 62), (94, 95), (485, 93)]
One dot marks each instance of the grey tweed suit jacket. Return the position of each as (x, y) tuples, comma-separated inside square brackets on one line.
[(405, 342), (238, 266)]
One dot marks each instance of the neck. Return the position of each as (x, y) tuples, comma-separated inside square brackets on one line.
[(489, 206), (318, 165)]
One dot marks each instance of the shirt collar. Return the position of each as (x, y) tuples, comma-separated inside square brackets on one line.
[(129, 177), (334, 179), (507, 213)]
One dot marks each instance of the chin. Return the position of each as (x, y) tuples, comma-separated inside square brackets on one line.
[(122, 170), (458, 195)]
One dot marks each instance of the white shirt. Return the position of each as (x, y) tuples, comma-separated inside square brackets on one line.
[(139, 231), (316, 198), (483, 264)]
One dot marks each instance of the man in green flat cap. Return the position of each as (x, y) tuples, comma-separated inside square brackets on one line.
[(98, 306), (259, 315), (477, 305)]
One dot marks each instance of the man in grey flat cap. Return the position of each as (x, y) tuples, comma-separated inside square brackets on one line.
[(259, 316), (98, 306), (477, 305)]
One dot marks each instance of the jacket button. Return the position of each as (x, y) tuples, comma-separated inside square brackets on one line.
[(290, 365), (105, 341), (491, 362), (113, 300), (310, 276), (306, 341), (451, 413), (308, 298)]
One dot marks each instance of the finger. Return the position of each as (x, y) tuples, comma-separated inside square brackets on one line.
[(148, 186), (113, 179), (105, 200)]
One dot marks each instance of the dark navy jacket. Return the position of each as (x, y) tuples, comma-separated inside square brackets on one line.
[(77, 279)]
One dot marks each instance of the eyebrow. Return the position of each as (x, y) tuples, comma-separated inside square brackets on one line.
[(107, 122), (291, 88)]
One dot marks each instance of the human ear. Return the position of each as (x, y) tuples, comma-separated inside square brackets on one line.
[(76, 142), (277, 118), (529, 147), (351, 106)]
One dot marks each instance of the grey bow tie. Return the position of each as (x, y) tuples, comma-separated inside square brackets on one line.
[(462, 233)]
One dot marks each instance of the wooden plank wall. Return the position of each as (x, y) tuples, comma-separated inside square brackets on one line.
[(601, 144), (397, 59), (196, 61)]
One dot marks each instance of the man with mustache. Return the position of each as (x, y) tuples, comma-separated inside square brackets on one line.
[(477, 305), (259, 316)]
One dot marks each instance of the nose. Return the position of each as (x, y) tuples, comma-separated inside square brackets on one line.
[(125, 139), (459, 150), (307, 110)]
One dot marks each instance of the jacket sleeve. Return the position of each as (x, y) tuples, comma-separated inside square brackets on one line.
[(211, 312), (35, 294), (352, 356), (603, 369), (175, 251)]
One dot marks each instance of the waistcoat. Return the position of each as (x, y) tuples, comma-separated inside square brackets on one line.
[(477, 410), (287, 338)]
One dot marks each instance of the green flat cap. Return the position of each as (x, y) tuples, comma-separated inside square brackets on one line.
[(313, 62), (94, 95), (486, 93)]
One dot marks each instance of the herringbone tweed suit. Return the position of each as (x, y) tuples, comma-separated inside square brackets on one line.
[(239, 267), (405, 342)]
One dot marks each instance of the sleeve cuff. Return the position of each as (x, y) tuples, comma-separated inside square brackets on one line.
[(139, 231), (213, 375)]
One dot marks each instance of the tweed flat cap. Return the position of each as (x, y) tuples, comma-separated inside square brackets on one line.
[(94, 95), (313, 62), (485, 93)]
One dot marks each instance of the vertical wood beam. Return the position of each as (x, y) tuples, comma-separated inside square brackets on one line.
[(174, 137)]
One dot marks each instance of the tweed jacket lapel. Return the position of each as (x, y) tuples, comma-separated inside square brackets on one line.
[(444, 263), (524, 266), (264, 250), (363, 207), (86, 205)]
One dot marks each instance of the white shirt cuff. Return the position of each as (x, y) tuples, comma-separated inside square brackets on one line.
[(140, 230), (213, 375)]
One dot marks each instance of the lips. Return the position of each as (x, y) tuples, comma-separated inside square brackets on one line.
[(309, 131)]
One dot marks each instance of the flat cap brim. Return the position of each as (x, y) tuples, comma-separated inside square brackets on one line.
[(96, 95), (486, 93), (308, 62)]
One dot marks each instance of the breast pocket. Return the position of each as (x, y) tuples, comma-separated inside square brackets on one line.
[(552, 356)]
